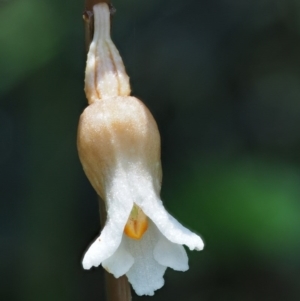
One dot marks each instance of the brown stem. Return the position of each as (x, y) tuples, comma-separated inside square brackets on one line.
[(90, 3), (116, 289)]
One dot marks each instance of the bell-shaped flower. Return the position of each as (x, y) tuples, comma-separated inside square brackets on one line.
[(119, 148)]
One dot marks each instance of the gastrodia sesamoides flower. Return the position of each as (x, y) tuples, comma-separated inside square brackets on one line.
[(119, 148)]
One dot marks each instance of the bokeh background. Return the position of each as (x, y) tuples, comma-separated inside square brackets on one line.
[(222, 79)]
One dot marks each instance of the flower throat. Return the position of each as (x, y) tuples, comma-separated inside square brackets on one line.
[(137, 223)]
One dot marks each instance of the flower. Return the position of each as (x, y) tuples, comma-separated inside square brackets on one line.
[(119, 148)]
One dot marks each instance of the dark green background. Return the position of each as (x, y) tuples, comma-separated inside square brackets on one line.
[(222, 79)]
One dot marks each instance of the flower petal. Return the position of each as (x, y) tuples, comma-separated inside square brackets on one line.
[(166, 223), (146, 274), (172, 229), (119, 204), (120, 262), (170, 254)]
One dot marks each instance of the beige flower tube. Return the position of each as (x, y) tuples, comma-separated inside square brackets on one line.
[(119, 148)]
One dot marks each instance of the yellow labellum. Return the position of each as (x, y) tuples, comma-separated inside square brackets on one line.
[(137, 223)]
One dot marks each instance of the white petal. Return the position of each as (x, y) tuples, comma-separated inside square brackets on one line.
[(146, 274), (119, 204), (152, 206), (120, 262), (172, 229), (170, 254)]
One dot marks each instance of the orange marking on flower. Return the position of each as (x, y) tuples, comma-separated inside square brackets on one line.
[(137, 223)]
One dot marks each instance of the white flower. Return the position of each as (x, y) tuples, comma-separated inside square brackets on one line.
[(119, 148)]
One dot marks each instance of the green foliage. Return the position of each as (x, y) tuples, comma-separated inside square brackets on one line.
[(246, 203)]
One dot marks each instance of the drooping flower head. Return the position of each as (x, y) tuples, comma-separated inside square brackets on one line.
[(119, 148)]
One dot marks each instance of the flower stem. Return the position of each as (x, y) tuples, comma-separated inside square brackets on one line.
[(116, 289), (90, 3)]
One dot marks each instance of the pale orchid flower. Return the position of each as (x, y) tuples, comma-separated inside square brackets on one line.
[(119, 148)]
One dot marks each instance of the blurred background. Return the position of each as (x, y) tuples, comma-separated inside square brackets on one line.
[(222, 79)]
